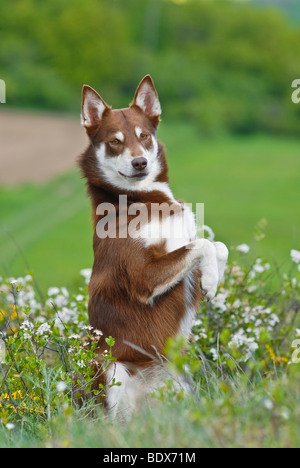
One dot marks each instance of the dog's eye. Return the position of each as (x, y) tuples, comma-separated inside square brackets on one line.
[(143, 136), (115, 142)]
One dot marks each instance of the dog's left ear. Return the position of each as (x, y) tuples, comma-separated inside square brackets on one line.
[(146, 98)]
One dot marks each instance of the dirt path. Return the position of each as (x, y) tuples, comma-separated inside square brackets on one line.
[(36, 147)]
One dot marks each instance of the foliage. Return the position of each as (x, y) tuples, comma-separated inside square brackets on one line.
[(250, 325), (49, 360), (290, 7), (240, 360), (223, 65)]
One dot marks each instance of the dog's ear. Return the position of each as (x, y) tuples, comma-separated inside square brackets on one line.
[(146, 98), (93, 107)]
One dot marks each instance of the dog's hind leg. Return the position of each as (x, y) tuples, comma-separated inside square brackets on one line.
[(121, 391)]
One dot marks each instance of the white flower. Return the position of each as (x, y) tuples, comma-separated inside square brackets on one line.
[(10, 426), (295, 255), (285, 413), (259, 267), (65, 292), (98, 332), (61, 386), (28, 329), (67, 315), (197, 322), (244, 248), (202, 334), (81, 364), (44, 328), (86, 273), (219, 301), (237, 303), (273, 320), (214, 353), (236, 272), (268, 404), (53, 292), (59, 301), (241, 339), (297, 331), (253, 346)]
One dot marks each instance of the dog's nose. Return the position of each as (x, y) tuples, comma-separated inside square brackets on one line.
[(139, 163)]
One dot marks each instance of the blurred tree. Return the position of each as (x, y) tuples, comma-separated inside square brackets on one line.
[(226, 66)]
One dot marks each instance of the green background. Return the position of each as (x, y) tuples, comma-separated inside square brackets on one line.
[(223, 71)]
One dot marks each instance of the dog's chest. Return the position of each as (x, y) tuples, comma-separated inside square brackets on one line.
[(177, 228)]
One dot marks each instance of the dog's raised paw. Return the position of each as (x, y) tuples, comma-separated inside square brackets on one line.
[(222, 257), (209, 283)]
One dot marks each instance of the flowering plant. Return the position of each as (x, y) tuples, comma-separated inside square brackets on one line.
[(253, 319), (48, 353)]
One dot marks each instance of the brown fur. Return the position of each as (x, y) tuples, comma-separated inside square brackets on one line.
[(125, 272)]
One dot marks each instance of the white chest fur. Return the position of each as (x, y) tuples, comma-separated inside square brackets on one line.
[(176, 229)]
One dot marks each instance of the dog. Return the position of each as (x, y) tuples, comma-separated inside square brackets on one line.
[(150, 272)]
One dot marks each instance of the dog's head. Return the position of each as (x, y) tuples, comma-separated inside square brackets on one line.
[(124, 141)]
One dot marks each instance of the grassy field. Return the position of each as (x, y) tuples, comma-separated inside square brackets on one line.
[(242, 355), (241, 180), (235, 415)]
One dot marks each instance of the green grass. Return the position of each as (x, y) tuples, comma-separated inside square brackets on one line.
[(235, 414), (240, 179)]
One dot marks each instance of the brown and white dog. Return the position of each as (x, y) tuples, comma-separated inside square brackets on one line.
[(148, 276)]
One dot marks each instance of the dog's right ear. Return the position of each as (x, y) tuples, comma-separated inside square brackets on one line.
[(93, 107)]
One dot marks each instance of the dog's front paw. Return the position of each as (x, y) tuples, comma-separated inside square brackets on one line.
[(222, 257), (209, 283)]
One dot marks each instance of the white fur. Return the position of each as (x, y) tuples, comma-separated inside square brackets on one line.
[(91, 101), (120, 136), (177, 230), (138, 131), (190, 312), (123, 400), (118, 394), (110, 167), (143, 94), (222, 257)]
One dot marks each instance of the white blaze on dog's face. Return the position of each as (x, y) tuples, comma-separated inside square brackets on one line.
[(124, 140)]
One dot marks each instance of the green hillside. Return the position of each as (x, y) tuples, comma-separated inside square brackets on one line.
[(240, 180)]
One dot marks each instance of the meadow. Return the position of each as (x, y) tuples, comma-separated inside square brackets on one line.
[(242, 364), (46, 229), (223, 70), (243, 357)]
